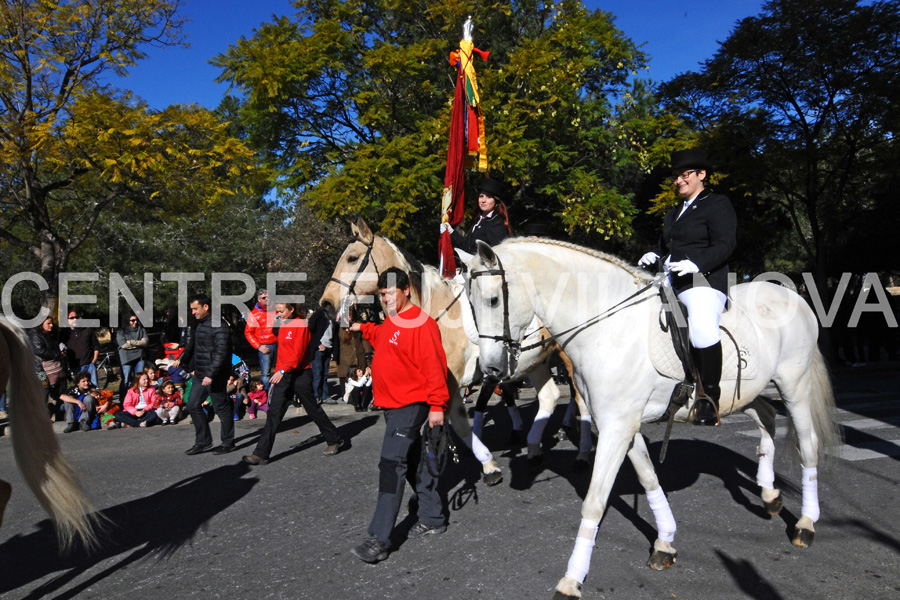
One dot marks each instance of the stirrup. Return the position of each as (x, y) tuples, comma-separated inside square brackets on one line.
[(699, 416)]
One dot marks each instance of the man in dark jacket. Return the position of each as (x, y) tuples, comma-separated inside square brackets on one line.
[(323, 341), (82, 347), (210, 351)]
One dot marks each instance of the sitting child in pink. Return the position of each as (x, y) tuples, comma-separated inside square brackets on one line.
[(141, 402), (258, 399)]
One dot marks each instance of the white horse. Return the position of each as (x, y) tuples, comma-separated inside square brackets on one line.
[(356, 275), (571, 290), (44, 468)]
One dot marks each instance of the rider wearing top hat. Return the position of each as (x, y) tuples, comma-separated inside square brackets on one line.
[(699, 236)]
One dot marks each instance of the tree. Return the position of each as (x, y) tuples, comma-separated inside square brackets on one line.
[(802, 106), (350, 102), (71, 152)]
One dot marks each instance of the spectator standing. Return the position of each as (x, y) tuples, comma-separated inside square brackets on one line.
[(323, 334), (209, 351), (82, 347), (131, 339), (410, 383), (293, 376), (259, 332), (48, 359)]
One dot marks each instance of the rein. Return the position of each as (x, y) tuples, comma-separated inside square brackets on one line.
[(362, 267), (515, 348)]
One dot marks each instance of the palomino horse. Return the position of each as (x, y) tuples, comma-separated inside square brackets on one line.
[(578, 294), (356, 275), (46, 471)]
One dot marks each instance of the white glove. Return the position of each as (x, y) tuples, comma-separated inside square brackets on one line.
[(446, 227), (648, 259), (683, 267)]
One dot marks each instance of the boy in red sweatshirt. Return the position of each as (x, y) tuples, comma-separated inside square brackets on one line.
[(292, 377), (410, 383)]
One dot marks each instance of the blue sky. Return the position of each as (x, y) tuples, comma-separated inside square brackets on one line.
[(676, 35)]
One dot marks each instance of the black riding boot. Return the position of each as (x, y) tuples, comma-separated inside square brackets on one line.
[(709, 367)]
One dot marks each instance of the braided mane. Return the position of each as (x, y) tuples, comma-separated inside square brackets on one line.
[(613, 260)]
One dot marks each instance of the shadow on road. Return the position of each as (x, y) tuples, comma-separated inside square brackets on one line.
[(144, 527)]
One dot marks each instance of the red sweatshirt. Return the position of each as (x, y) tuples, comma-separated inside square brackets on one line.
[(409, 365), (293, 346)]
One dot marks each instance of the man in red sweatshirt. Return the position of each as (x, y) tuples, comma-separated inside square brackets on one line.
[(259, 332), (409, 376), (292, 377)]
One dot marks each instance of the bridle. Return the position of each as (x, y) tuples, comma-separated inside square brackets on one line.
[(513, 348), (362, 266)]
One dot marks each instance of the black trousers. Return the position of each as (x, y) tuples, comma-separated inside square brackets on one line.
[(222, 406), (401, 451), (281, 395)]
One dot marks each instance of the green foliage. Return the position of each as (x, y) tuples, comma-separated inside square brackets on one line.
[(350, 104), (800, 106)]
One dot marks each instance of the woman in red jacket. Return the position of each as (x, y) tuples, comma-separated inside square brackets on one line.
[(292, 376), (141, 402)]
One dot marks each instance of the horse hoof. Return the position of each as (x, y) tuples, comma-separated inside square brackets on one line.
[(493, 478), (774, 507), (580, 466), (803, 538), (660, 561)]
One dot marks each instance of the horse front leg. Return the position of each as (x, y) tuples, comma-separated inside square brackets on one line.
[(664, 553), (615, 436), (548, 395), (763, 414)]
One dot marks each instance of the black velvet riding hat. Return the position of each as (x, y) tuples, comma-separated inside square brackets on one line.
[(494, 188), (690, 159)]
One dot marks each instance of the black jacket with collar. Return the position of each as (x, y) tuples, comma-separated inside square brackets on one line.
[(706, 234), (490, 230), (209, 349)]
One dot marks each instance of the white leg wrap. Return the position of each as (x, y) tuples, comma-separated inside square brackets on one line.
[(515, 416), (571, 411), (665, 521), (580, 561), (584, 446), (477, 422), (482, 454), (765, 474), (810, 494), (537, 428)]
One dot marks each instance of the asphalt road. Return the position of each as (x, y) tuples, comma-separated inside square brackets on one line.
[(211, 527)]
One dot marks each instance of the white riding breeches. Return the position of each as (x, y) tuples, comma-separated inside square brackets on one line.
[(705, 306)]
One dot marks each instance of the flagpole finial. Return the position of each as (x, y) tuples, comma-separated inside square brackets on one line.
[(467, 29)]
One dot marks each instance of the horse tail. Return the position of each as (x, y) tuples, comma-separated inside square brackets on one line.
[(822, 408), (46, 471)]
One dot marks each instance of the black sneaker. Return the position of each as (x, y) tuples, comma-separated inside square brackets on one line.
[(70, 428), (85, 426), (420, 529), (223, 449), (371, 551)]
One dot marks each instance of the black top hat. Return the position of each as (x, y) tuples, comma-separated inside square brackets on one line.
[(687, 159), (494, 188)]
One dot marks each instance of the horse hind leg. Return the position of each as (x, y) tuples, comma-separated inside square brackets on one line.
[(763, 414)]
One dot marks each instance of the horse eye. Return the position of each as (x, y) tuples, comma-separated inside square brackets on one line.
[(495, 302), (352, 259)]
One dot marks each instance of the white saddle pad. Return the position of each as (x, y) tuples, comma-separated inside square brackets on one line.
[(665, 361)]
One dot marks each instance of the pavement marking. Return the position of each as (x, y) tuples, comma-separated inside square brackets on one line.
[(867, 450)]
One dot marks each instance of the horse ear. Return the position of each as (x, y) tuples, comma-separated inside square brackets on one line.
[(362, 231), (486, 253)]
